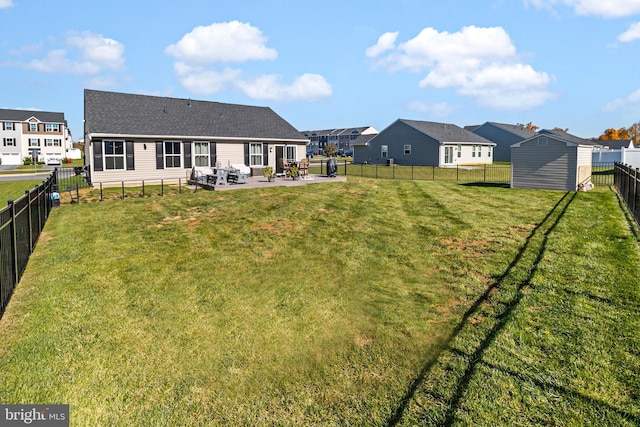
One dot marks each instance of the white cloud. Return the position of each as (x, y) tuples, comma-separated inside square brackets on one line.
[(222, 42), (83, 53), (200, 80), (268, 87), (632, 99), (440, 109), (203, 49), (605, 9), (478, 62), (632, 33), (385, 42), (4, 4)]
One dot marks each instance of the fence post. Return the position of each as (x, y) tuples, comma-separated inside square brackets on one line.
[(143, 188), (122, 190), (101, 192), (162, 187), (30, 236), (485, 173), (14, 241)]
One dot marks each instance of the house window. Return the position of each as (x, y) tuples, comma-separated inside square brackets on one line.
[(459, 150), (34, 142), (8, 126), (489, 151), (479, 150), (50, 142), (384, 151), (52, 127), (201, 153), (9, 142), (33, 127), (172, 154), (473, 151), (113, 155), (407, 149), (291, 153), (255, 154)]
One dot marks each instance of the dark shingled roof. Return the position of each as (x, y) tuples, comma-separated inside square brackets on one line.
[(570, 138), (520, 130), (24, 115), (128, 114), (445, 132)]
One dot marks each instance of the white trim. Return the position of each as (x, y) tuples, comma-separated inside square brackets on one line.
[(194, 138)]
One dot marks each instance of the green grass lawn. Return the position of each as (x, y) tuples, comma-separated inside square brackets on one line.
[(359, 303), (11, 190)]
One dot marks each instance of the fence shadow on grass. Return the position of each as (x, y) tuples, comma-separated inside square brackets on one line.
[(548, 224), (624, 208)]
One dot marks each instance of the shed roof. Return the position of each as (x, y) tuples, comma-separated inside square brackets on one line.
[(129, 114)]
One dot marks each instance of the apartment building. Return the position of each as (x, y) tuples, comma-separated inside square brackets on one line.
[(40, 134)]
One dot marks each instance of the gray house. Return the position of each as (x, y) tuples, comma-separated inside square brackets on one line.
[(413, 142), (504, 135), (552, 160), (140, 137)]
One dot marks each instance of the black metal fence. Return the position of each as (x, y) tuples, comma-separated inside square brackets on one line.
[(602, 173), (21, 223), (626, 181)]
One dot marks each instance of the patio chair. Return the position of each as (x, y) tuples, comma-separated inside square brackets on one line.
[(284, 166), (303, 167), (240, 174)]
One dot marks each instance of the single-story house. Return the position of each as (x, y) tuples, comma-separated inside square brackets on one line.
[(413, 142), (552, 160), (139, 137), (504, 135)]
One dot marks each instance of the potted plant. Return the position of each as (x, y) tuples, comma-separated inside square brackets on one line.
[(269, 173), (294, 173)]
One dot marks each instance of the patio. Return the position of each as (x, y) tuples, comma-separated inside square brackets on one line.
[(262, 182)]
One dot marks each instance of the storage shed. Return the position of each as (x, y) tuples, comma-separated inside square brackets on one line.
[(552, 160)]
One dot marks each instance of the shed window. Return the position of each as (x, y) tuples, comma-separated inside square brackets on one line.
[(543, 141)]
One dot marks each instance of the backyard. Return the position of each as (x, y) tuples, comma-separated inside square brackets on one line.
[(370, 302)]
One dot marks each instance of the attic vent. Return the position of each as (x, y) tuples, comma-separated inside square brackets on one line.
[(543, 141)]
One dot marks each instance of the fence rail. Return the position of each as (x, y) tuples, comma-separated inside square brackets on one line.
[(602, 173), (21, 223), (626, 181)]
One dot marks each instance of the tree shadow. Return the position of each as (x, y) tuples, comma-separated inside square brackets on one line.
[(548, 224)]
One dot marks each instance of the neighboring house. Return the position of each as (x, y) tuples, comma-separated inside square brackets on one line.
[(140, 137), (343, 138), (412, 142), (552, 160), (28, 133), (504, 135), (615, 144)]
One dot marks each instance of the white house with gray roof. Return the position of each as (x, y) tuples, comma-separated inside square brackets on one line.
[(413, 142), (28, 133), (139, 137)]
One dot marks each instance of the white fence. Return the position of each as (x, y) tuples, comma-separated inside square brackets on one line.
[(627, 156)]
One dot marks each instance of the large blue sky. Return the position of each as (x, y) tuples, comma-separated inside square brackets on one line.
[(573, 64)]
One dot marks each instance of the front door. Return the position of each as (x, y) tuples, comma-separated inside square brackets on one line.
[(279, 155), (448, 155)]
